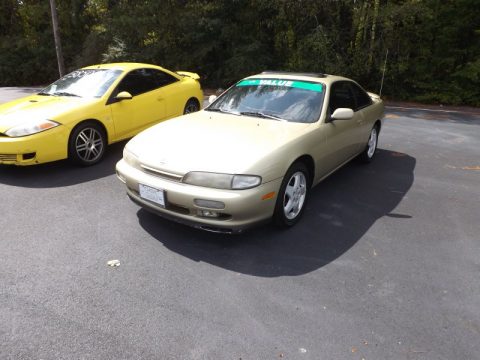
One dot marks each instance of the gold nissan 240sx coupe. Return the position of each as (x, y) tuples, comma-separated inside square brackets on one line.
[(79, 114), (254, 153)]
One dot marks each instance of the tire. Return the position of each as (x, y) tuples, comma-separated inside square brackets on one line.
[(87, 144), (292, 196), (370, 149), (191, 106)]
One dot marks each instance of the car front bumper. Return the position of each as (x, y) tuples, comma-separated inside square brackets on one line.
[(49, 145), (243, 208)]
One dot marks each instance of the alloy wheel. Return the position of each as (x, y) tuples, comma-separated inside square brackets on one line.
[(89, 144), (295, 194)]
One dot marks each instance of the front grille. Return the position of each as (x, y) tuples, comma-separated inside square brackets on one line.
[(162, 174), (8, 157)]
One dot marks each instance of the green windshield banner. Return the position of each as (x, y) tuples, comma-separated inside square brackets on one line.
[(278, 82)]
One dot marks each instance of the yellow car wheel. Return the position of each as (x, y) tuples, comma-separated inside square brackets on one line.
[(87, 144), (292, 196), (191, 106)]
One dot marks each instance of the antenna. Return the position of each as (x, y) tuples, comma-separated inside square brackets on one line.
[(383, 74)]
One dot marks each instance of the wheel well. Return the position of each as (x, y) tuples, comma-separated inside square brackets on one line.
[(309, 163), (95, 121), (378, 124), (196, 100)]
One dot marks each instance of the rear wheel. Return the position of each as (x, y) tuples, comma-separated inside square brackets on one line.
[(191, 106), (292, 196), (371, 148), (87, 144)]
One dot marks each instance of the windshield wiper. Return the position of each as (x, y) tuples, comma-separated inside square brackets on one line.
[(44, 93), (222, 111), (63, 93), (261, 115)]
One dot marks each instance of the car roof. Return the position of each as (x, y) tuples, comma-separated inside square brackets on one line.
[(125, 66), (315, 77)]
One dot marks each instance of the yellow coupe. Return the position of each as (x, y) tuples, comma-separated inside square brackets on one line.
[(79, 114)]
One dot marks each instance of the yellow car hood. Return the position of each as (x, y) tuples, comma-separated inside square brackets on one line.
[(213, 142), (38, 107)]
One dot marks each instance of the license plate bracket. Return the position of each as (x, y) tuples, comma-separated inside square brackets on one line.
[(152, 194)]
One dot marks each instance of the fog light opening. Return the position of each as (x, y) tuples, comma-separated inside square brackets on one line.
[(29, 156), (207, 213)]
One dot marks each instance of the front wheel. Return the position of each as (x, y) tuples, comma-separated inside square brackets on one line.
[(87, 144), (292, 196), (369, 152)]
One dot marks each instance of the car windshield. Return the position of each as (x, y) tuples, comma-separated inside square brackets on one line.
[(83, 83), (276, 99)]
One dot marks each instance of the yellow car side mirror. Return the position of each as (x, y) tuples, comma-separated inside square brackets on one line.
[(124, 95)]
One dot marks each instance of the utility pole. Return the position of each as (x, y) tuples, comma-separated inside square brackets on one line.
[(383, 74), (56, 35)]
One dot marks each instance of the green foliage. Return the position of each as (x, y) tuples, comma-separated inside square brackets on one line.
[(433, 45)]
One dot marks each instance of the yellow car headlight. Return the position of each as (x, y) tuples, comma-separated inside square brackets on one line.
[(222, 181), (31, 127)]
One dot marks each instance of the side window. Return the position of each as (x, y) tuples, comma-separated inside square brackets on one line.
[(163, 79), (137, 82), (341, 96), (361, 97), (140, 81)]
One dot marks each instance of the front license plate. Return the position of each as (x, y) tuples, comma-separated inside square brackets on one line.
[(152, 194)]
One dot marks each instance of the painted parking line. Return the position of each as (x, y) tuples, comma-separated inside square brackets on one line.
[(432, 110)]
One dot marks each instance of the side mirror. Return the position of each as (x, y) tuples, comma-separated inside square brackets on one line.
[(342, 114), (212, 98), (124, 95)]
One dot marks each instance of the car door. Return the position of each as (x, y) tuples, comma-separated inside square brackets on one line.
[(363, 106), (173, 93), (146, 107), (341, 135)]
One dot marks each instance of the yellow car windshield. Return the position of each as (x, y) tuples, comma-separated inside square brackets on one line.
[(83, 83)]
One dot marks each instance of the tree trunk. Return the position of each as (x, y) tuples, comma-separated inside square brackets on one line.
[(376, 6), (56, 35)]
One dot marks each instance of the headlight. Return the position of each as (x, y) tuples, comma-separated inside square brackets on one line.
[(130, 157), (222, 181), (31, 127)]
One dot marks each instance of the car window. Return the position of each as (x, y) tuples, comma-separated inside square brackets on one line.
[(341, 96), (83, 83), (140, 81), (280, 99), (162, 78), (361, 97)]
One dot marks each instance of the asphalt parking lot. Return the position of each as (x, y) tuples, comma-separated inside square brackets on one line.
[(385, 263)]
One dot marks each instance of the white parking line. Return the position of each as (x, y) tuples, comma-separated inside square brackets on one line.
[(422, 109)]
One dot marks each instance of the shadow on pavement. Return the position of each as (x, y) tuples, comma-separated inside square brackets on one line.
[(340, 211), (61, 173)]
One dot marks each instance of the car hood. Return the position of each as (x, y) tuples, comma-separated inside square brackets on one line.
[(38, 107), (213, 142)]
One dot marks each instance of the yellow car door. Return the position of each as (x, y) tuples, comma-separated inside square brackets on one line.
[(175, 93), (145, 107)]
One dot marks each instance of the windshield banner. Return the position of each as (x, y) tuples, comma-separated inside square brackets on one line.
[(285, 83)]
